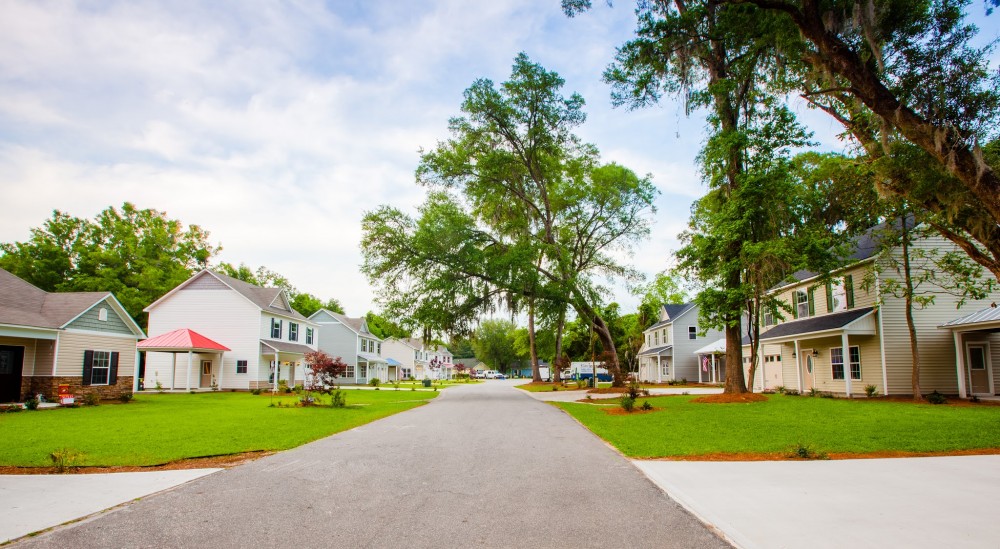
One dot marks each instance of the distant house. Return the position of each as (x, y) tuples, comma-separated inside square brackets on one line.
[(266, 338), (418, 360), (668, 349), (85, 340), (350, 340), (807, 351)]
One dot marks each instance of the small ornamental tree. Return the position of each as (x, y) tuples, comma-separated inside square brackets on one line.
[(325, 370), (461, 368)]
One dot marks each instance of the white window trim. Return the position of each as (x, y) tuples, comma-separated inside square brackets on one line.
[(246, 365), (107, 380), (848, 371)]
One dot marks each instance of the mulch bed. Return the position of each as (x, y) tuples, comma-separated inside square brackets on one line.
[(231, 460), (738, 398), (635, 412)]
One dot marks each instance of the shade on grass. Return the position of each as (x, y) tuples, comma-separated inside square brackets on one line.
[(159, 428), (683, 428)]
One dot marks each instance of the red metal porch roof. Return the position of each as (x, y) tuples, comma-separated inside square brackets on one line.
[(182, 340)]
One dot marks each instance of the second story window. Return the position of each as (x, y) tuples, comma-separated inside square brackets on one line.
[(656, 338), (309, 336), (275, 328), (293, 331), (768, 318), (692, 332), (803, 303), (378, 349), (666, 339)]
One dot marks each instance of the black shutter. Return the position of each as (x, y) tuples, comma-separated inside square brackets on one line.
[(849, 290), (88, 366), (113, 374)]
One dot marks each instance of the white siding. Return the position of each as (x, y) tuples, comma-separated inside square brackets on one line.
[(218, 314)]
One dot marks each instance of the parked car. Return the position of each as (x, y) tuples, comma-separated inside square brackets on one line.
[(500, 376), (479, 374)]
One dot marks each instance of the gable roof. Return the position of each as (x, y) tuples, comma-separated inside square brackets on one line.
[(357, 325), (672, 312), (262, 298), (23, 304)]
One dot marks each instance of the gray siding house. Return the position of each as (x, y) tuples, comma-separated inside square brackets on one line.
[(350, 340), (668, 351)]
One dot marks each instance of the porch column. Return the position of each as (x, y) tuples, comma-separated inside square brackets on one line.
[(135, 374), (847, 361), (798, 365), (960, 363), (173, 370), (701, 365), (190, 360), (222, 367), (714, 366), (659, 370)]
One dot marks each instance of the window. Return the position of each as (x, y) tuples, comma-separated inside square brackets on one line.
[(665, 339), (309, 336), (768, 318), (349, 372), (378, 350), (837, 362), (803, 303), (275, 328), (836, 297), (692, 332), (665, 368), (293, 331), (102, 315), (100, 373), (656, 338), (241, 366)]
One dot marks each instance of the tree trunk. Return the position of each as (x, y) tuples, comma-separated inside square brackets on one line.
[(614, 368), (536, 374), (753, 331), (557, 360), (908, 295)]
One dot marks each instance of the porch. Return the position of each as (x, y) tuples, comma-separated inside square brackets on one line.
[(658, 362), (286, 362), (975, 349), (207, 376)]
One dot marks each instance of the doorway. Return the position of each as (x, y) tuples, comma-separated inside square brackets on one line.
[(808, 375), (11, 364), (206, 373), (980, 374)]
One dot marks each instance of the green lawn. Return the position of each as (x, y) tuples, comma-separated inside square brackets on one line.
[(547, 387), (683, 428), (159, 428), (419, 384)]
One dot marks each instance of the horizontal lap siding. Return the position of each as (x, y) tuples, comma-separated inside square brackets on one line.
[(871, 364), (936, 346), (73, 344), (30, 357), (218, 314)]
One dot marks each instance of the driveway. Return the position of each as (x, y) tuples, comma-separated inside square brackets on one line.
[(910, 502), (480, 466)]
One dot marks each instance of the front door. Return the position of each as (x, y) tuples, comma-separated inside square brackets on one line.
[(807, 375), (979, 374), (362, 373), (11, 362), (206, 373)]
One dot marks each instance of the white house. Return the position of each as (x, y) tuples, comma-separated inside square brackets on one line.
[(351, 341), (418, 360), (266, 338), (668, 352)]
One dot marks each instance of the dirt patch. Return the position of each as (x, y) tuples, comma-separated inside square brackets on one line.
[(738, 398), (786, 456), (224, 462), (635, 412)]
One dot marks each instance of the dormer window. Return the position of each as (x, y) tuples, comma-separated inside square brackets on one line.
[(102, 315)]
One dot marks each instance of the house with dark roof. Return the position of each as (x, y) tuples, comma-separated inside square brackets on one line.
[(267, 339), (349, 339), (668, 349), (836, 312), (85, 340)]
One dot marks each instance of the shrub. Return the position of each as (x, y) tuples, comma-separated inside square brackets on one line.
[(125, 398), (338, 399), (555, 387), (91, 399), (254, 391), (791, 392), (936, 398), (780, 389), (684, 381), (646, 405), (159, 386), (10, 408), (64, 458), (801, 451), (627, 402), (374, 382), (813, 392), (826, 395), (871, 390), (31, 404), (633, 390)]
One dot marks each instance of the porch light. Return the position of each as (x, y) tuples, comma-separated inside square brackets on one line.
[(815, 353)]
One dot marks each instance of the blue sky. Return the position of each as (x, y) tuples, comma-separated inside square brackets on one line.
[(275, 125)]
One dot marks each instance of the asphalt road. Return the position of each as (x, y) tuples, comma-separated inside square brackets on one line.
[(480, 466)]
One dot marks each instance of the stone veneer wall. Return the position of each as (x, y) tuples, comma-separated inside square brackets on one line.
[(49, 386)]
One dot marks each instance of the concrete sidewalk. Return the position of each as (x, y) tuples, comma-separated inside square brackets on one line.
[(29, 503), (910, 502)]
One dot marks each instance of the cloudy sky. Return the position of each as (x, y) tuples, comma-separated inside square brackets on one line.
[(276, 124)]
